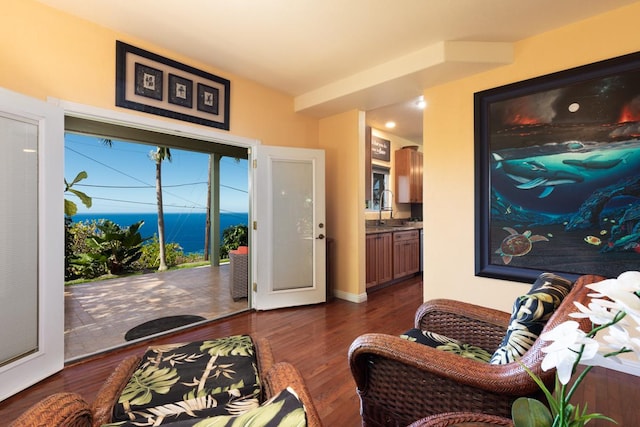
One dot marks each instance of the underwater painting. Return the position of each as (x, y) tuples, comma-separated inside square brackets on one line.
[(558, 173)]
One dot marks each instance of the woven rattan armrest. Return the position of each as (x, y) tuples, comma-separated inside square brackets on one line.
[(283, 375), (264, 355), (472, 324), (455, 418), (102, 406), (59, 409)]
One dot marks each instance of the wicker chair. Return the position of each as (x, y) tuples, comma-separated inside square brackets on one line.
[(399, 381), (71, 410)]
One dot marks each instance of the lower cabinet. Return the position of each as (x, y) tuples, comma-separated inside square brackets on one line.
[(379, 258), (406, 253), (392, 256)]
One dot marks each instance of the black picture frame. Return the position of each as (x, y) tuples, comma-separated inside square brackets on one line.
[(148, 81), (180, 91), (169, 88), (208, 98), (557, 179)]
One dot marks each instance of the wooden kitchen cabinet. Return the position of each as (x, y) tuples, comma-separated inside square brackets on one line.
[(379, 249), (408, 176), (406, 253)]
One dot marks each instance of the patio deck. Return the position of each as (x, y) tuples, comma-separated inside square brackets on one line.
[(98, 314)]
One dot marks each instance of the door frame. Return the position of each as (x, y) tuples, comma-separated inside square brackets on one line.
[(48, 357), (119, 118)]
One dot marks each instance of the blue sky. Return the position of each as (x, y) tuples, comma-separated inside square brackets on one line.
[(121, 178)]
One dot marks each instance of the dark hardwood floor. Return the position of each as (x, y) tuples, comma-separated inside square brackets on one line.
[(315, 339)]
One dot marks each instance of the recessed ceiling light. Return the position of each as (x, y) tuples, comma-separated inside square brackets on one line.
[(390, 125)]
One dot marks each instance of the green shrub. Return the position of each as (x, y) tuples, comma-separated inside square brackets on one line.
[(116, 246), (232, 237), (150, 258), (77, 262)]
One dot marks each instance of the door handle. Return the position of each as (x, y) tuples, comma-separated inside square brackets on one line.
[(320, 236)]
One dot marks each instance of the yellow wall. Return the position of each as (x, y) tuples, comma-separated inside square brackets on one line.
[(46, 53), (342, 138), (449, 145)]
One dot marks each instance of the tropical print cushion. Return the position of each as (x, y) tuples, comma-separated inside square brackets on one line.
[(192, 380), (444, 343), (530, 314), (283, 410)]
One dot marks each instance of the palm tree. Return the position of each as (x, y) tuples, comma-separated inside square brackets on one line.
[(158, 156)]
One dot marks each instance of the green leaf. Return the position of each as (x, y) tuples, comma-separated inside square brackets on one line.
[(70, 208), (527, 412), (86, 200), (81, 175), (144, 382), (553, 403)]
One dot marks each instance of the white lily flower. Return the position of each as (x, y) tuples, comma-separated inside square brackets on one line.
[(563, 352), (598, 311), (622, 293), (617, 338)]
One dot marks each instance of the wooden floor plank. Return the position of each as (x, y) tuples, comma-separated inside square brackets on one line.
[(316, 339)]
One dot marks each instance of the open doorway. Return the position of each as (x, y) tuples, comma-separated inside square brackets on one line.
[(118, 175)]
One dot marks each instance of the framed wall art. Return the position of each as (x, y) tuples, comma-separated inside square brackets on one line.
[(158, 85), (558, 173), (380, 149)]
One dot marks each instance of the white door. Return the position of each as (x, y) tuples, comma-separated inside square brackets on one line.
[(31, 242), (288, 240)]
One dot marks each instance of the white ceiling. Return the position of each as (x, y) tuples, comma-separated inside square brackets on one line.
[(337, 54)]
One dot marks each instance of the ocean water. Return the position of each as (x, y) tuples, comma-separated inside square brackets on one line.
[(186, 229)]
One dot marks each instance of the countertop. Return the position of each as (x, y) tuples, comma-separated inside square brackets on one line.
[(391, 226)]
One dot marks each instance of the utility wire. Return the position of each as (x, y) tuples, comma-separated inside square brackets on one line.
[(123, 173), (153, 186), (106, 166), (153, 204)]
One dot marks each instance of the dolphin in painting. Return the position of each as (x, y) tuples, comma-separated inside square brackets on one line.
[(531, 175), (593, 163)]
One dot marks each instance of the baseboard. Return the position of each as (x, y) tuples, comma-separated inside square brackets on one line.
[(349, 296)]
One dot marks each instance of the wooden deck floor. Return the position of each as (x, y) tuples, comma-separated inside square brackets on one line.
[(315, 339), (98, 314)]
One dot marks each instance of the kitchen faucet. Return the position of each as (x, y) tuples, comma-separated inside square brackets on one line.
[(382, 205)]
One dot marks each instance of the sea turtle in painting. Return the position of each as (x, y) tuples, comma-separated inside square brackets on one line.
[(516, 244)]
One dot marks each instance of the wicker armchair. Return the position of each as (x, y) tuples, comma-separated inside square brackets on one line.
[(71, 410), (399, 381)]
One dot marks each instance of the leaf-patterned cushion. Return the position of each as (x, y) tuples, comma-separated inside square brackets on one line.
[(444, 343), (192, 380), (530, 314), (283, 410)]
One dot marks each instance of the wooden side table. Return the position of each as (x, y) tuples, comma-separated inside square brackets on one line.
[(239, 278)]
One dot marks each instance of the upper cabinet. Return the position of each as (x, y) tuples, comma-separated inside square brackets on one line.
[(408, 175)]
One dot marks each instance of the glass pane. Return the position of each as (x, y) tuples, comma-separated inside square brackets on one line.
[(293, 238), (19, 234)]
